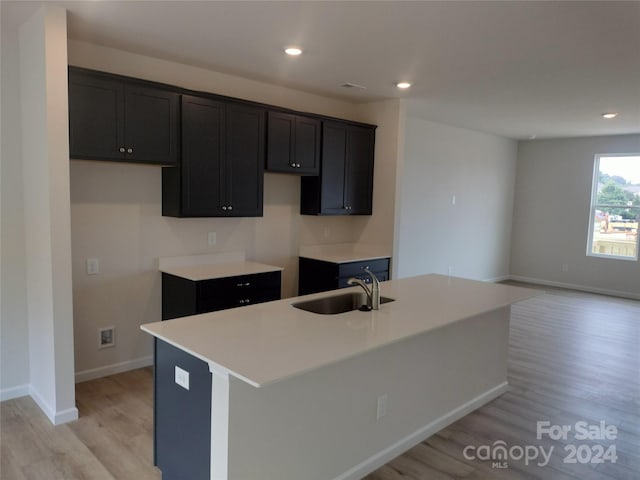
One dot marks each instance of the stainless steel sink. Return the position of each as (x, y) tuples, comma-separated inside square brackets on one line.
[(342, 303)]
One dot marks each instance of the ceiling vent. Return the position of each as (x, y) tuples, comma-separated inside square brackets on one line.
[(353, 85)]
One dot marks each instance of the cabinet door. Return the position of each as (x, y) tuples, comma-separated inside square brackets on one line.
[(280, 144), (202, 174), (359, 184), (243, 167), (293, 144), (333, 176), (96, 112), (151, 125), (307, 145)]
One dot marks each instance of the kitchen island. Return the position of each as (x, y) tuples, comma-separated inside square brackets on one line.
[(298, 395)]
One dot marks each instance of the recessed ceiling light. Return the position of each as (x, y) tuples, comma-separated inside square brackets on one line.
[(293, 51), (403, 85), (609, 116)]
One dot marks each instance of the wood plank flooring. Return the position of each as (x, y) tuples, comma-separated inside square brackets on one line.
[(573, 357)]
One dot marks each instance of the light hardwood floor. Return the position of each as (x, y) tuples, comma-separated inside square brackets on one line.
[(573, 357)]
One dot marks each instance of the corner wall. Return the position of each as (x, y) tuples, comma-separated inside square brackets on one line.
[(551, 216), (45, 158), (471, 237)]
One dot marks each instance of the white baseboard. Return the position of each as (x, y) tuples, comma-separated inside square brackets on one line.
[(56, 417), (114, 368), (381, 458), (501, 278), (14, 392), (573, 286)]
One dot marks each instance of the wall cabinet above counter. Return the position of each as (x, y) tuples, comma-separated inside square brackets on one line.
[(221, 170), (217, 148), (118, 120)]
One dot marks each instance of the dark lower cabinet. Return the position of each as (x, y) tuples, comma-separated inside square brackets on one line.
[(320, 276), (121, 119), (345, 183), (182, 417), (222, 168), (182, 297)]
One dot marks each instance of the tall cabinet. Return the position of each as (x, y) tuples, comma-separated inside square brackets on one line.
[(345, 183), (222, 166)]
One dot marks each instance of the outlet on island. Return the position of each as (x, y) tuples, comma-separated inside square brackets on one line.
[(182, 377)]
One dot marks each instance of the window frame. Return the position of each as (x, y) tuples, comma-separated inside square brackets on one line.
[(594, 205)]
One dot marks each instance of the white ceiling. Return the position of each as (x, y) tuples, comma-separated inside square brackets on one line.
[(516, 68)]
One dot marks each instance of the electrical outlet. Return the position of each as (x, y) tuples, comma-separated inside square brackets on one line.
[(453, 200), (93, 266), (211, 238), (106, 337), (382, 406), (182, 377)]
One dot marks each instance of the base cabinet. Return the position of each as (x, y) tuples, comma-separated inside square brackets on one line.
[(182, 417), (182, 297), (321, 276)]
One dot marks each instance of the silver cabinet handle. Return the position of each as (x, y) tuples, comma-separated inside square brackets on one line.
[(230, 207), (292, 165), (246, 284), (298, 165), (122, 150), (224, 208), (129, 150)]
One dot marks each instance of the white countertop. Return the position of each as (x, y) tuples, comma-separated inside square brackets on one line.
[(268, 342), (343, 252), (219, 270)]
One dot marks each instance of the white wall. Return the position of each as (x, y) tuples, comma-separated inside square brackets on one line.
[(473, 237), (551, 215), (45, 158), (14, 341), (116, 217)]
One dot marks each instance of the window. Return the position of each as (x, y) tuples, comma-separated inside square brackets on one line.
[(615, 207)]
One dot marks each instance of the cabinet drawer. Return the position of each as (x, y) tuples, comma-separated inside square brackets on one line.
[(219, 294), (356, 268)]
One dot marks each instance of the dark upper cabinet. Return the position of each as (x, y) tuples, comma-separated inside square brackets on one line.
[(345, 183), (293, 144), (221, 171), (111, 118)]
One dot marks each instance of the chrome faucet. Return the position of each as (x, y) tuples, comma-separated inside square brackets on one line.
[(373, 293)]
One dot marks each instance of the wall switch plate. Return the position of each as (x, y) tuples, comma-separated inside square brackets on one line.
[(211, 238), (182, 378), (93, 266), (382, 406), (453, 200)]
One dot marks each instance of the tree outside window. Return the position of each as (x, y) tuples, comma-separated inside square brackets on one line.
[(615, 207)]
